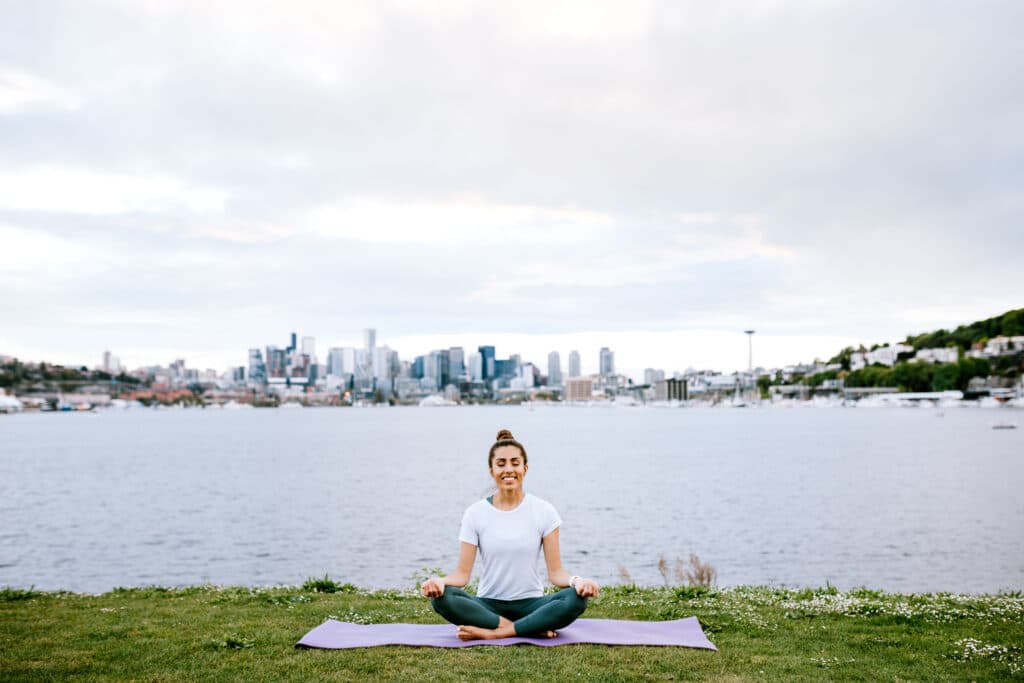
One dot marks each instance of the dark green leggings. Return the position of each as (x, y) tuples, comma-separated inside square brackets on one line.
[(531, 615)]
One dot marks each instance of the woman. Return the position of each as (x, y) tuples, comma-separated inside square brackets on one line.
[(509, 529)]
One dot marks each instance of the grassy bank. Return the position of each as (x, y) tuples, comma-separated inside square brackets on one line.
[(217, 633)]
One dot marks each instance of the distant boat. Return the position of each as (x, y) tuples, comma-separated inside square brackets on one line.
[(1004, 425)]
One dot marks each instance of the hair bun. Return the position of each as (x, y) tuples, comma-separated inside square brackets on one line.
[(504, 435)]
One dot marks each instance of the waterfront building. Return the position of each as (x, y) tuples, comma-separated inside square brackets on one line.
[(435, 369), (456, 363), (381, 361), (348, 360), (529, 373), (884, 355), (257, 370), (574, 363), (941, 355), (370, 340), (309, 347), (335, 361), (476, 367), (607, 362), (111, 363), (652, 376), (487, 353), (507, 369), (677, 389), (579, 389), (554, 369)]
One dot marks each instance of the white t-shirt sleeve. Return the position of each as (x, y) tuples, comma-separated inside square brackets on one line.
[(551, 520), (468, 532)]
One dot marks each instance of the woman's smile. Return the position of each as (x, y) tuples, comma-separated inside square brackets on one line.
[(508, 468)]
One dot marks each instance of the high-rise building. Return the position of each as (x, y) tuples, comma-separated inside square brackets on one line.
[(370, 340), (476, 366), (488, 361), (275, 360), (529, 374), (554, 369), (579, 389), (652, 376), (257, 370), (335, 361), (456, 363), (607, 362), (111, 363), (382, 364), (436, 369), (574, 363), (309, 347)]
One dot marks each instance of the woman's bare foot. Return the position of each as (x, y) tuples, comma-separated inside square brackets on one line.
[(477, 633), (506, 629)]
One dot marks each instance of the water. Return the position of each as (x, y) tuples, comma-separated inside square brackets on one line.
[(898, 499)]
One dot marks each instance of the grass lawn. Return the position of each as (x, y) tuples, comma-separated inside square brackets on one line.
[(230, 633)]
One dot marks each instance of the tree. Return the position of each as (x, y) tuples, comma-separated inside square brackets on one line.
[(763, 385), (843, 357), (946, 377), (913, 376), (972, 367)]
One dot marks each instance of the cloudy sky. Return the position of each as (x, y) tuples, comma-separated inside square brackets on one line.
[(184, 179)]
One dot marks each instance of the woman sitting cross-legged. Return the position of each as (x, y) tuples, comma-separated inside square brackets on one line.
[(509, 529)]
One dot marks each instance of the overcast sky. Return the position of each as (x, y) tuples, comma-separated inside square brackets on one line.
[(185, 179)]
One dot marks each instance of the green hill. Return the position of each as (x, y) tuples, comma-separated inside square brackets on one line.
[(1009, 324)]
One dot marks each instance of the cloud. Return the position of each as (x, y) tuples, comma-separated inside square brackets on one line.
[(21, 91), (811, 169), (459, 221), (76, 190)]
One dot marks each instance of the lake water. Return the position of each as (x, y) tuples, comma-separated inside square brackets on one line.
[(899, 499)]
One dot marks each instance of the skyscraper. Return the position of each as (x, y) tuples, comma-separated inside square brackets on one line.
[(335, 361), (488, 361), (370, 340), (476, 366), (309, 348), (607, 361), (456, 363), (574, 363), (111, 363), (257, 370), (554, 369)]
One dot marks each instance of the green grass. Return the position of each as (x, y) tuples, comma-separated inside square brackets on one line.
[(230, 633)]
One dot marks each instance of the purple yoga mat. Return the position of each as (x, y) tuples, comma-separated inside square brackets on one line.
[(338, 635)]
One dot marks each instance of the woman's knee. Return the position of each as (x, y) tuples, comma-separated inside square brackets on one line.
[(441, 604), (574, 601)]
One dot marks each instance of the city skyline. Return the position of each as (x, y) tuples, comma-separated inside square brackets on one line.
[(646, 352), (651, 177)]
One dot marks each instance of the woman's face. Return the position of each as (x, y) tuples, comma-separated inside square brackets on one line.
[(508, 468)]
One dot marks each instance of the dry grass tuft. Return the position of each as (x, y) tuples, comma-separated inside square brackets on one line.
[(695, 572), (625, 577)]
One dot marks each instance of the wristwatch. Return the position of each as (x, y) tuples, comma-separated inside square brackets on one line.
[(572, 581)]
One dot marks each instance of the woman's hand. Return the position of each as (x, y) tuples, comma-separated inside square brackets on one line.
[(432, 587), (587, 588)]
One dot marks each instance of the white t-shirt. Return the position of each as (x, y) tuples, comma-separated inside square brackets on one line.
[(509, 544)]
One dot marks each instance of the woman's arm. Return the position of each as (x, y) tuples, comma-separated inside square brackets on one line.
[(557, 574), (434, 586)]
